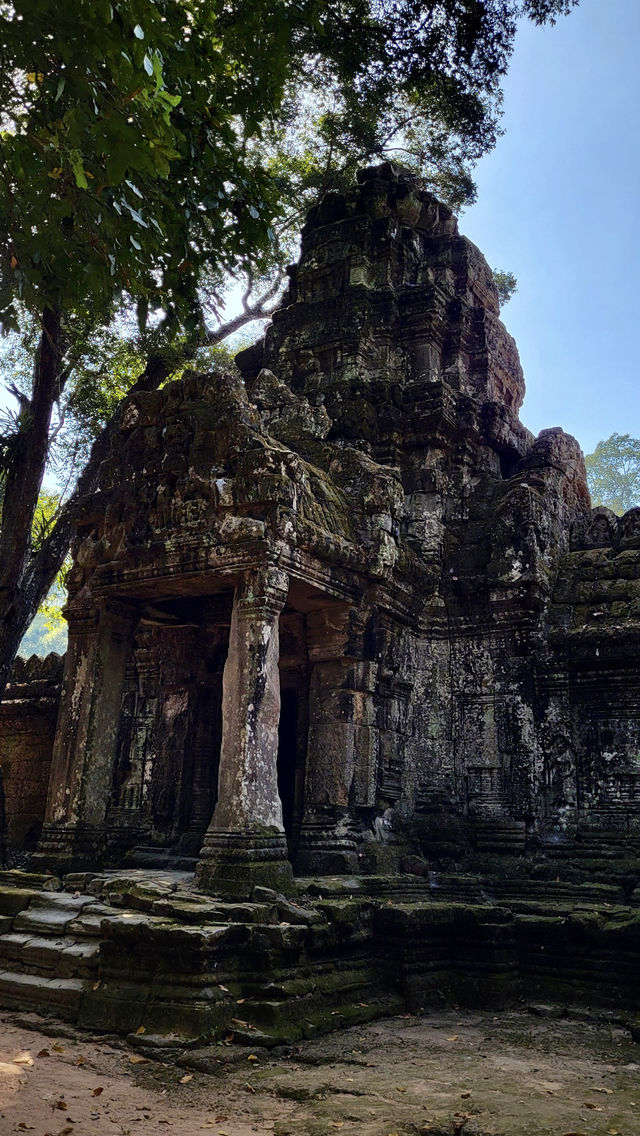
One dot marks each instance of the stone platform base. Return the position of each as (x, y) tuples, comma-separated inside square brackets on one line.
[(120, 950)]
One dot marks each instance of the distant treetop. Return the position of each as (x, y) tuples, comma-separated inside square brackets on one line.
[(613, 473)]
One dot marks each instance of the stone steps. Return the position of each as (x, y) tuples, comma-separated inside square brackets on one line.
[(594, 846), (44, 964), (554, 891), (499, 835), (51, 912), (62, 996), (64, 957), (127, 951)]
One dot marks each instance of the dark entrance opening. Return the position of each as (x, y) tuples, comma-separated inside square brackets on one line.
[(288, 757)]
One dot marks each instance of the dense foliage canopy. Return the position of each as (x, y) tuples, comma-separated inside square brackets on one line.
[(146, 142)]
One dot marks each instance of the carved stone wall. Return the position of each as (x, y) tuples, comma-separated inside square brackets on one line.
[(28, 716)]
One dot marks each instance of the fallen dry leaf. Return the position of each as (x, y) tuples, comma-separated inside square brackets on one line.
[(400, 1089), (23, 1059), (58, 1048), (43, 1053), (239, 1001), (601, 1089), (595, 1107), (187, 1077), (465, 1095), (96, 1092), (22, 1127), (135, 1060), (252, 1057), (221, 987), (81, 1061), (62, 1105), (248, 1088), (96, 985), (337, 1123), (141, 1029), (613, 1132), (453, 1038)]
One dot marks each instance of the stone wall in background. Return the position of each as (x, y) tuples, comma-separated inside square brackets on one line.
[(28, 716)]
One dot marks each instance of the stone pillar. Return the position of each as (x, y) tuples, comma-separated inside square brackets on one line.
[(342, 754), (81, 778), (245, 843)]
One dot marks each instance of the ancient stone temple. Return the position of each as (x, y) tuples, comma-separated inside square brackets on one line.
[(342, 607), (350, 714)]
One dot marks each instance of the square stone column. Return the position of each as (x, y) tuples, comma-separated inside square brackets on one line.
[(245, 843), (82, 767), (342, 752)]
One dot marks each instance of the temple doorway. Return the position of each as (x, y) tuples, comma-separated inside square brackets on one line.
[(165, 778)]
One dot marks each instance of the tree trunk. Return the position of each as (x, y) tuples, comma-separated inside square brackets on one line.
[(22, 488), (38, 570)]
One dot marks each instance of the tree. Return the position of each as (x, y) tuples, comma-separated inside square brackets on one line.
[(613, 473), (147, 150), (506, 284)]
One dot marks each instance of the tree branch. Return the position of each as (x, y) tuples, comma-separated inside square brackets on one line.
[(260, 309)]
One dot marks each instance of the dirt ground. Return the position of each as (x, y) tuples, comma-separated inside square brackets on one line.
[(445, 1074)]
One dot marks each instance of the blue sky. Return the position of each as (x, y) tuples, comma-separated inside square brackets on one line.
[(558, 206)]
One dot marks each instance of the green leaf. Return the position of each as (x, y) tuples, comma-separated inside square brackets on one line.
[(171, 100), (148, 65), (136, 244), (138, 32), (75, 161)]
